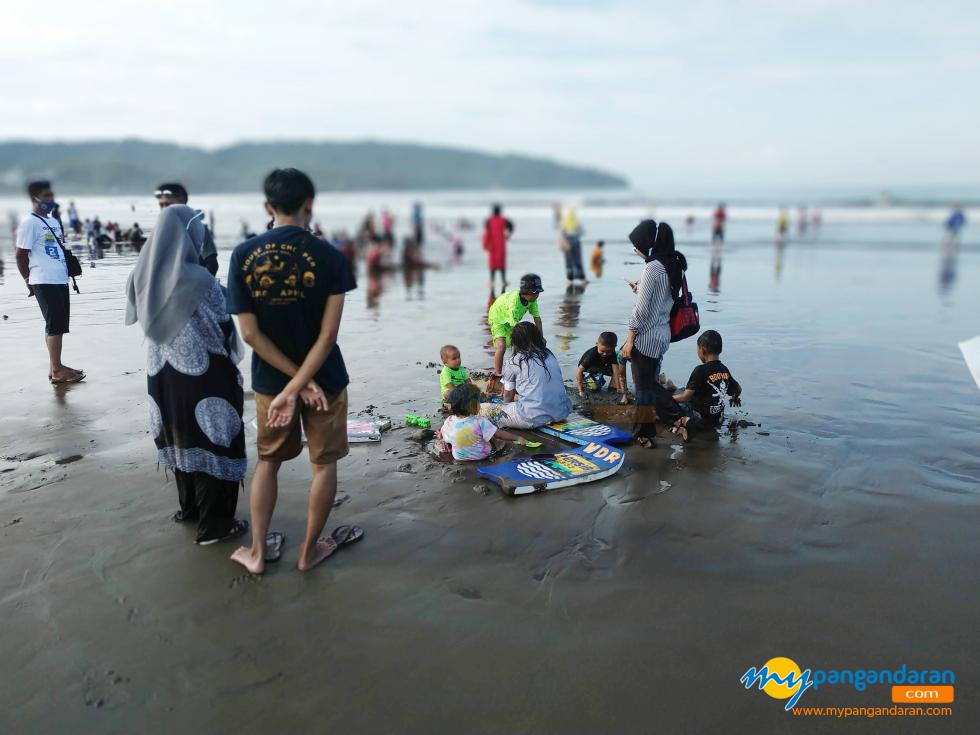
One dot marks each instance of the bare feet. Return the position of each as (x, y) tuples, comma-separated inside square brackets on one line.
[(254, 563), (624, 400), (680, 428), (324, 547)]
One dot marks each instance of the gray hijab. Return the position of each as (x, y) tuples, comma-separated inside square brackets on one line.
[(168, 283)]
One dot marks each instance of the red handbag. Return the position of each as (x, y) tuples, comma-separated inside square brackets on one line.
[(684, 319)]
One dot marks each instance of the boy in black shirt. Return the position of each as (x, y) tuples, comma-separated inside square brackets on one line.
[(598, 362), (287, 288), (710, 383)]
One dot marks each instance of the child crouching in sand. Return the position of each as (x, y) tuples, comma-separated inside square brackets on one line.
[(471, 437)]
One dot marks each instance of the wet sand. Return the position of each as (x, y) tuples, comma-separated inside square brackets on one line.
[(841, 532)]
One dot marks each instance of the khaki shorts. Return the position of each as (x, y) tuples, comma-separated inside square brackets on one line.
[(326, 431)]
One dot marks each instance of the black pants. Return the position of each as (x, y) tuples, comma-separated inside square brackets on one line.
[(573, 260), (669, 411), (210, 500), (646, 374)]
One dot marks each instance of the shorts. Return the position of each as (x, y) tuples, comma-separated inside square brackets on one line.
[(326, 431), (55, 306), (603, 370), (501, 330)]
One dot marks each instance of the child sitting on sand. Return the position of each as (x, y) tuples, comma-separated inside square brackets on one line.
[(599, 362), (453, 374), (703, 399), (471, 437)]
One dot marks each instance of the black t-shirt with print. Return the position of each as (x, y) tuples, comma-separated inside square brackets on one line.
[(595, 363), (284, 277), (712, 383)]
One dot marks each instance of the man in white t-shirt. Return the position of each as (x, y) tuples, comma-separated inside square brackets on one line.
[(41, 261)]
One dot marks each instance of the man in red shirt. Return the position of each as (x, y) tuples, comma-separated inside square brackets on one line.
[(496, 232), (719, 228)]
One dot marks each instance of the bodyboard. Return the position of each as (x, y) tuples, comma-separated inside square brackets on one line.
[(554, 470), (580, 430)]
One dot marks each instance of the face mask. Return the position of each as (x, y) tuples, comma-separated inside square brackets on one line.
[(46, 206)]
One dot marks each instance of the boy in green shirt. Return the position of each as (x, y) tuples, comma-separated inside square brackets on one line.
[(508, 310)]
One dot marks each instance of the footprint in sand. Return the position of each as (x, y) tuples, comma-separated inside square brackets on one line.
[(469, 593), (244, 579)]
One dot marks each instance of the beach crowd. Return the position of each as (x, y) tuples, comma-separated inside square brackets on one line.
[(287, 286)]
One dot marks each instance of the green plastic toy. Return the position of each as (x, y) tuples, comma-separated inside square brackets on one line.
[(420, 421), (532, 445)]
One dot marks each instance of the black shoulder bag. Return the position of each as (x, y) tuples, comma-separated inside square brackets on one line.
[(71, 262)]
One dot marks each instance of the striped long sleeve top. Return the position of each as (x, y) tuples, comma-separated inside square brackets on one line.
[(650, 320)]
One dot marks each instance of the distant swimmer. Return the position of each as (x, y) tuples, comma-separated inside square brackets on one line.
[(418, 223), (570, 243), (73, 221), (718, 228), (496, 233), (598, 258), (801, 221), (954, 223), (782, 225)]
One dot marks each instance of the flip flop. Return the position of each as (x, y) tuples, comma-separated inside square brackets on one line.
[(343, 535), (77, 378), (273, 545)]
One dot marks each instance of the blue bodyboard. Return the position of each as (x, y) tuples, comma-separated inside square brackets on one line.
[(580, 430), (542, 472)]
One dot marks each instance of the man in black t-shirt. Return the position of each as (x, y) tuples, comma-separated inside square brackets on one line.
[(710, 384), (287, 288), (600, 362)]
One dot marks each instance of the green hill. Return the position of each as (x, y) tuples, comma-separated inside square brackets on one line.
[(131, 166)]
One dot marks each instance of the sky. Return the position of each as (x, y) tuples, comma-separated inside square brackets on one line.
[(675, 96)]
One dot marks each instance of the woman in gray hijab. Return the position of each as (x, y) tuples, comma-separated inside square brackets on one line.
[(195, 388)]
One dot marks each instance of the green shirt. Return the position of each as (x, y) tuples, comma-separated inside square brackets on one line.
[(449, 378), (509, 309)]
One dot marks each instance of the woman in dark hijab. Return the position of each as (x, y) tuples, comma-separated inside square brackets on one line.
[(649, 325), (195, 389)]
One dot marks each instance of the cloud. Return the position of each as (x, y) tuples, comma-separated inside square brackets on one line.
[(665, 93)]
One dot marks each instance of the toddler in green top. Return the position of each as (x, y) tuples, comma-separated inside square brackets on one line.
[(453, 373)]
